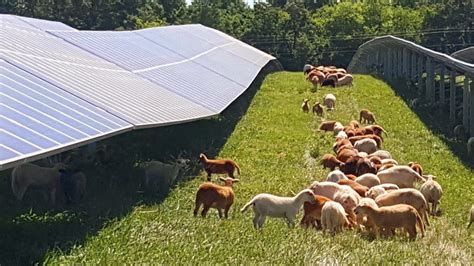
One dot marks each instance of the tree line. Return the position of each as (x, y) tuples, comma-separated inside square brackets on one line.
[(294, 31)]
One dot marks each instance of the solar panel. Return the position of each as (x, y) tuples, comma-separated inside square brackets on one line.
[(46, 24), (36, 116)]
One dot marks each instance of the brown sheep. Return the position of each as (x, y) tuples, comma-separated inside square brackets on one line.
[(312, 212), (339, 143), (416, 166), (330, 161), (327, 126), (318, 109), (219, 166), (386, 219), (305, 106), (215, 196), (358, 166), (366, 116), (345, 153), (351, 177), (378, 130), (360, 189)]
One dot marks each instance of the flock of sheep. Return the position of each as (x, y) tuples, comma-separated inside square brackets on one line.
[(366, 189)]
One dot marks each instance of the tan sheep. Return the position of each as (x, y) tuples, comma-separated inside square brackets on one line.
[(381, 189), (363, 219), (331, 162), (432, 192), (403, 176), (369, 180), (345, 80), (333, 217), (330, 101), (211, 195)]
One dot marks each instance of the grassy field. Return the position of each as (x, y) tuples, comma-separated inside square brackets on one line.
[(278, 149)]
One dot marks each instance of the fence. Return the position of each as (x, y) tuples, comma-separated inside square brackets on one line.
[(396, 58)]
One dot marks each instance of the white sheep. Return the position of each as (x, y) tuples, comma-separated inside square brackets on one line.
[(382, 154), (278, 207), (381, 189), (366, 145), (335, 176), (159, 174), (403, 176), (330, 101), (338, 127), (432, 192), (346, 80), (26, 175), (369, 180), (341, 135), (363, 154), (333, 217)]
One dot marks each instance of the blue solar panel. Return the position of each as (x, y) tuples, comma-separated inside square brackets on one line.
[(46, 24), (36, 116)]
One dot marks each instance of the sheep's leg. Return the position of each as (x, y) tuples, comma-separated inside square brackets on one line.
[(196, 208), (204, 211), (208, 176), (226, 211), (256, 218), (261, 221), (219, 211), (21, 192), (289, 221), (411, 231)]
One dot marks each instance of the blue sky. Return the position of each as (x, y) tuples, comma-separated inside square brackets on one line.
[(250, 2)]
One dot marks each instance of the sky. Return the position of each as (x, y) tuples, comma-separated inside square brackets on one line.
[(249, 2)]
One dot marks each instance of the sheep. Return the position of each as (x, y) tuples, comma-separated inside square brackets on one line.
[(366, 145), (305, 106), (307, 68), (330, 80), (330, 161), (312, 212), (317, 109), (219, 166), (432, 192), (378, 130), (386, 219), (471, 216), (408, 196), (278, 207), (376, 138), (360, 189), (386, 166), (215, 196), (26, 175), (341, 135), (459, 132), (416, 166), (376, 161), (382, 154), (363, 219), (162, 175), (335, 176), (345, 153), (345, 80), (363, 154), (338, 127), (358, 165), (366, 116), (381, 189), (330, 101), (354, 124), (327, 126), (403, 176), (369, 180), (351, 177), (470, 146), (333, 217), (389, 161), (339, 143), (73, 185)]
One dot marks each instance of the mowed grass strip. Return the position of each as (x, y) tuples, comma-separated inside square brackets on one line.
[(275, 144)]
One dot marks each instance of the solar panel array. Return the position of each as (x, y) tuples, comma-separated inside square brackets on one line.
[(61, 87)]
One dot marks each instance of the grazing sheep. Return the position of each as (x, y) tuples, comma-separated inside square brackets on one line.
[(363, 219), (318, 109), (382, 154), (376, 160), (416, 166), (339, 143), (26, 175), (341, 135), (162, 175), (345, 80), (389, 161), (378, 130), (470, 146), (369, 180), (305, 106), (307, 68), (408, 196), (215, 196), (338, 127), (333, 217), (330, 101), (353, 124), (366, 145), (331, 162), (363, 154), (351, 177), (471, 216), (432, 192), (360, 189), (403, 176), (73, 185), (381, 189), (345, 153), (327, 126), (330, 80), (376, 138), (278, 207), (219, 166), (335, 176), (386, 219), (366, 116), (358, 166), (312, 212)]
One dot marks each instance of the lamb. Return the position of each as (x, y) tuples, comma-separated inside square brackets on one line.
[(312, 212), (345, 80), (333, 217), (403, 176), (331, 162), (366, 116), (73, 185), (386, 219), (381, 189), (369, 180), (363, 219), (408, 196), (335, 176), (162, 175), (366, 145), (382, 154), (215, 196), (470, 146), (305, 106), (26, 175), (330, 101), (278, 207), (360, 189), (432, 192), (416, 166), (471, 216), (317, 109), (219, 166), (327, 126)]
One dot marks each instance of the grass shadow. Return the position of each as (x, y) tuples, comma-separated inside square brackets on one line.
[(434, 116), (29, 230)]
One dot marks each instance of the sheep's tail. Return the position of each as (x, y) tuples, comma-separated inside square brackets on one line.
[(419, 223), (246, 206), (15, 182), (238, 167)]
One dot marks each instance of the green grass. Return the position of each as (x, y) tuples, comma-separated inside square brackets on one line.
[(275, 143)]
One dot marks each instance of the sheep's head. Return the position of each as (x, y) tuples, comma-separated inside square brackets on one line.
[(229, 181), (305, 100)]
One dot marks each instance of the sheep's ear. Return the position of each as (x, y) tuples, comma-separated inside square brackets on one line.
[(235, 180), (222, 179)]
